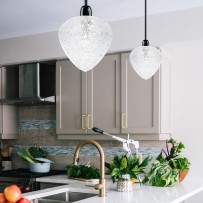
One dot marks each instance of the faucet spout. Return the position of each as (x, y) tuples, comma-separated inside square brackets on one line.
[(101, 186)]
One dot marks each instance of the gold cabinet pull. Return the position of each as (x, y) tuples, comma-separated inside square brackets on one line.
[(88, 122), (83, 122), (122, 120)]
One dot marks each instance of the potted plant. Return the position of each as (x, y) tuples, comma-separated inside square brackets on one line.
[(170, 167), (125, 169)]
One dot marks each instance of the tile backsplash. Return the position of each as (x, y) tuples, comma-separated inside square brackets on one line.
[(37, 125)]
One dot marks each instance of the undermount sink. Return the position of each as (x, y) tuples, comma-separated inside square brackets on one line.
[(70, 197)]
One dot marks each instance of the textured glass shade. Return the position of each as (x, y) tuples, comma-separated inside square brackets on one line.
[(85, 40), (145, 60)]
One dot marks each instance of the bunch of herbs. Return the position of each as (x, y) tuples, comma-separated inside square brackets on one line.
[(83, 171)]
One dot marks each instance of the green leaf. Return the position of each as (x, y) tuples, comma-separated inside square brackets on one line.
[(115, 171), (23, 155), (161, 174), (146, 161), (160, 158), (124, 163)]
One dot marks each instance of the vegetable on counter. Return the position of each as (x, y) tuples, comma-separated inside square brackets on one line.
[(25, 155), (83, 171), (32, 153), (37, 152)]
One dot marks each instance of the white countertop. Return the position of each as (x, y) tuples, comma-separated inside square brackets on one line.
[(140, 194)]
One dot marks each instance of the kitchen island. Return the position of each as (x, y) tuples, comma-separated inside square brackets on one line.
[(140, 194)]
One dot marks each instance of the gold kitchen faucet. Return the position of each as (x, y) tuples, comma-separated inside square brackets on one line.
[(101, 185)]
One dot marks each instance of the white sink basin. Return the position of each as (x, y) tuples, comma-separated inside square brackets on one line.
[(60, 194), (70, 197)]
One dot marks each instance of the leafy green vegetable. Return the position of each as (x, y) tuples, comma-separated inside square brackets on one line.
[(131, 165), (25, 156), (37, 152), (83, 171), (161, 174), (32, 152)]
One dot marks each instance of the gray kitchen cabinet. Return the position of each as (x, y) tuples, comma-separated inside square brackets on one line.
[(112, 97), (8, 114), (144, 103), (8, 122), (84, 100), (104, 95), (70, 99)]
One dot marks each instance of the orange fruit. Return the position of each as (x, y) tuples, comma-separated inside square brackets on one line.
[(133, 180)]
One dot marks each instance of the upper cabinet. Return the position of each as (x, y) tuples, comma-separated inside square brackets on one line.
[(139, 101), (112, 97), (8, 113), (84, 100), (104, 95), (145, 103), (70, 100)]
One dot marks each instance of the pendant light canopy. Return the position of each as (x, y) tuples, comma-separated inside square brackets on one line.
[(85, 39), (145, 59)]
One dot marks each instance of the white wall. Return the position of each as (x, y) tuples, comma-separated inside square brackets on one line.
[(187, 100), (162, 28), (187, 103)]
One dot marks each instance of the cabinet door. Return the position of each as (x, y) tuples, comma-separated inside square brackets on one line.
[(139, 101), (8, 113), (70, 99), (104, 95)]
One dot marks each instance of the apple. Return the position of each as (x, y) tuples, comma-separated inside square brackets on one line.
[(12, 193), (23, 200), (2, 198)]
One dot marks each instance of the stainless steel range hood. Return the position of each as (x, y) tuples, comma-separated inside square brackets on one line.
[(32, 83)]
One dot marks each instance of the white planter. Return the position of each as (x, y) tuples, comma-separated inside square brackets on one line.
[(124, 185)]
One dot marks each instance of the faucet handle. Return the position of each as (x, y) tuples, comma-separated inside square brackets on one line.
[(97, 130), (98, 186)]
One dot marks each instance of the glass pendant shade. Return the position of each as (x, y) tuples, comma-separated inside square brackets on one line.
[(85, 40), (145, 60)]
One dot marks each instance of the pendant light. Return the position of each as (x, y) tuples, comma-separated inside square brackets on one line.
[(145, 59), (85, 39)]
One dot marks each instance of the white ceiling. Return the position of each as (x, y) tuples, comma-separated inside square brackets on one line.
[(26, 17)]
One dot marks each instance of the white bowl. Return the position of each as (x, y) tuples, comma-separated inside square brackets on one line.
[(39, 167)]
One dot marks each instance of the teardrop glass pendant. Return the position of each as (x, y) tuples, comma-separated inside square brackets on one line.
[(145, 60), (85, 40)]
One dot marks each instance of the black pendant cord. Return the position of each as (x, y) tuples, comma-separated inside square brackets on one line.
[(145, 16), (145, 42), (86, 10)]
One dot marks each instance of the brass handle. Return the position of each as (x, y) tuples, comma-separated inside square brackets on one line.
[(88, 122), (122, 121), (83, 122)]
